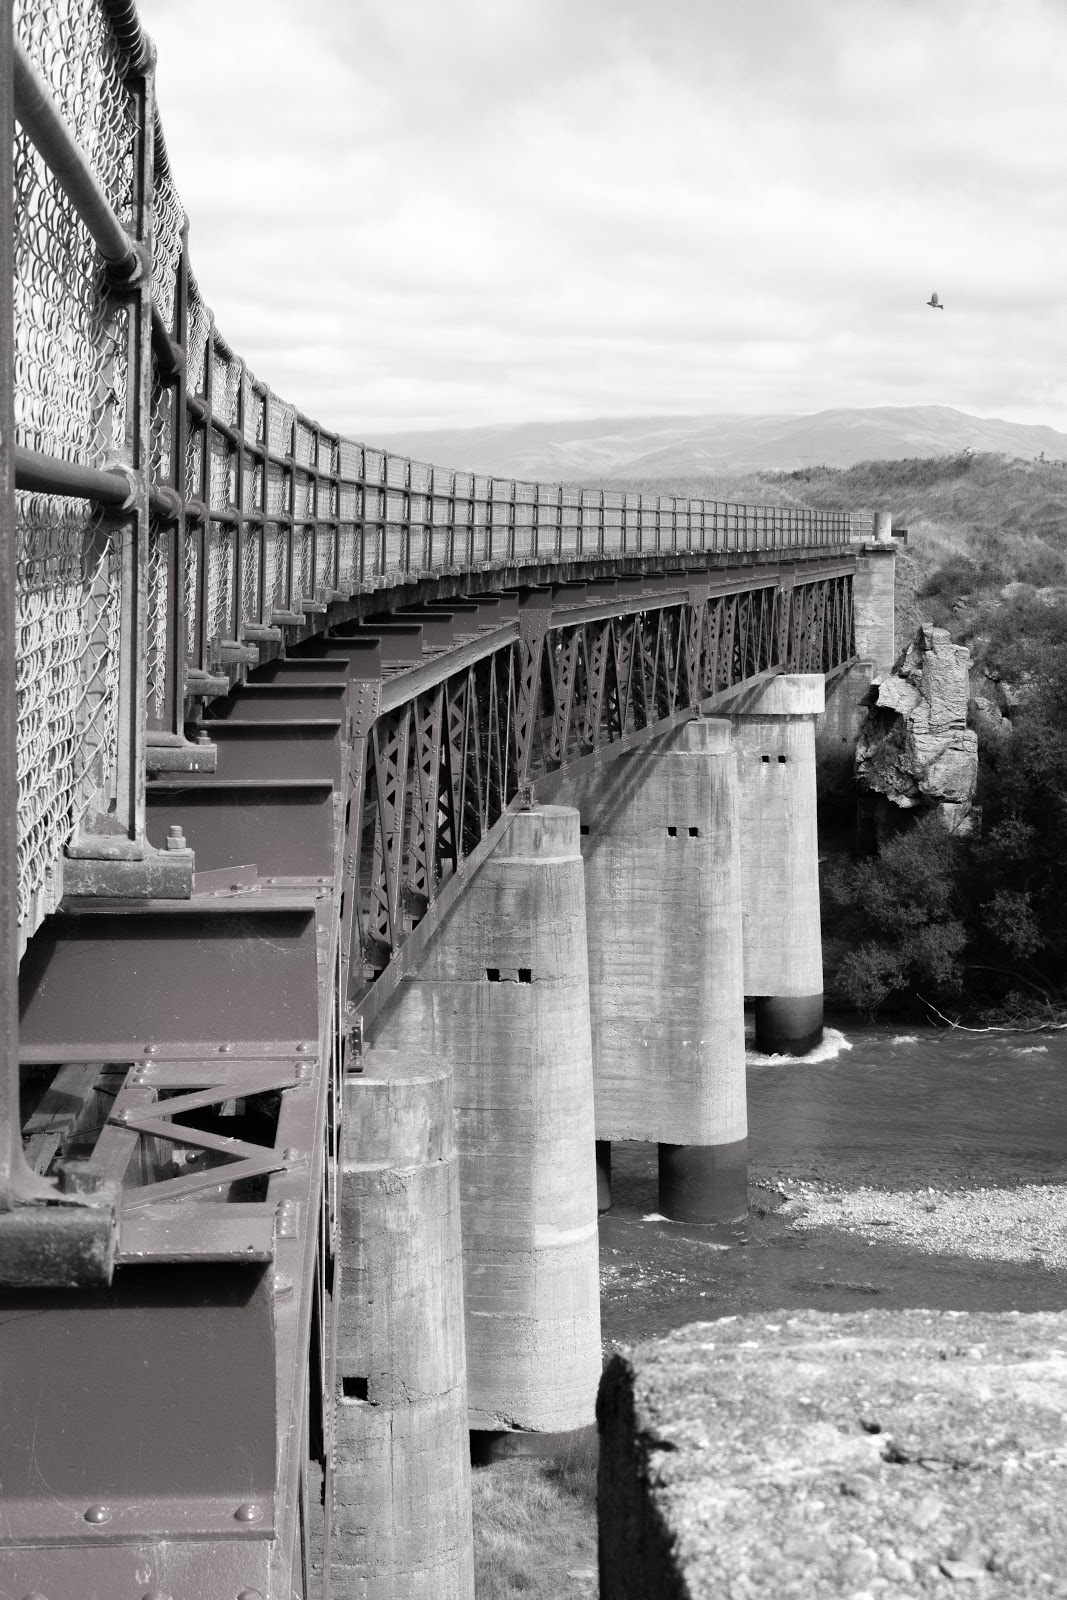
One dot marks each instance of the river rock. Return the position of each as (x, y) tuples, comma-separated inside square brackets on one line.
[(811, 1455), (915, 747)]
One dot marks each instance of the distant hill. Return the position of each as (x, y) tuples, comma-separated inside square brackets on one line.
[(672, 447)]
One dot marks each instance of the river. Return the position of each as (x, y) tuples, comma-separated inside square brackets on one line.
[(892, 1167)]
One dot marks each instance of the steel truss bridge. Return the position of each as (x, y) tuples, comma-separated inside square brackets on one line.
[(271, 696)]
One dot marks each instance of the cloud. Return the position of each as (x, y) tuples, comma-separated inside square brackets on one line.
[(407, 213)]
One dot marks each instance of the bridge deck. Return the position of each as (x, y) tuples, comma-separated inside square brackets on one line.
[(272, 696)]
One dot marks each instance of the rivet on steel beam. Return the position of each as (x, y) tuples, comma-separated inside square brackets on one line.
[(290, 1153), (225, 1049), (248, 1513), (151, 1049), (249, 1594), (302, 1048), (98, 1514), (304, 1069)]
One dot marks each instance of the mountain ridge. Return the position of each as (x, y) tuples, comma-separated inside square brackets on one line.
[(678, 446)]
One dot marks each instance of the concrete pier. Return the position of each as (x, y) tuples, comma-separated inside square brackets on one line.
[(401, 1513), (873, 603), (502, 995), (774, 731), (662, 847)]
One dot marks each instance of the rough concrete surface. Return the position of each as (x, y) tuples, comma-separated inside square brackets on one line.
[(874, 611), (845, 705), (774, 735), (502, 996), (873, 1454), (663, 893), (401, 1518)]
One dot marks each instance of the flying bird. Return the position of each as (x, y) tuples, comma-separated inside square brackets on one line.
[(935, 302)]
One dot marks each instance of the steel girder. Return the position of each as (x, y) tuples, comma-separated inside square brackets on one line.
[(560, 685)]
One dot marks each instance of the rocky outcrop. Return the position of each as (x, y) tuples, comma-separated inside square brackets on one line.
[(915, 748), (867, 1456)]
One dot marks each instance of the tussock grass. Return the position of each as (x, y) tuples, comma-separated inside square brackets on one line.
[(535, 1528), (976, 523)]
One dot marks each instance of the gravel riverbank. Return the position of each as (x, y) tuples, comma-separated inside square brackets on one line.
[(1026, 1223)]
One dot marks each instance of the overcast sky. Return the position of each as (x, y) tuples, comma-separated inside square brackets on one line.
[(445, 212)]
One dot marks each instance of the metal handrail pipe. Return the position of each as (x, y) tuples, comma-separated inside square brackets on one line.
[(48, 130), (44, 474), (114, 488)]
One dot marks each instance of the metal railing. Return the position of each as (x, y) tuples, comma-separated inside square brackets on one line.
[(174, 516)]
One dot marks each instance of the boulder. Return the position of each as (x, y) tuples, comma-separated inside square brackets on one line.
[(873, 1454), (915, 748)]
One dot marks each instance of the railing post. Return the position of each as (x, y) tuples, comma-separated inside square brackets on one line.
[(12, 1163)]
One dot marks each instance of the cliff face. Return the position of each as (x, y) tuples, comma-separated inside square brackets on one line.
[(915, 748)]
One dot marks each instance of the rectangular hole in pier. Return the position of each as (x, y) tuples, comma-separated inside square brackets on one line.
[(672, 833), (355, 1388), (694, 833), (765, 759), (493, 974), (781, 761), (583, 827), (526, 975)]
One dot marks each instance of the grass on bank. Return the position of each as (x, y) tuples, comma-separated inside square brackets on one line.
[(535, 1530), (976, 524)]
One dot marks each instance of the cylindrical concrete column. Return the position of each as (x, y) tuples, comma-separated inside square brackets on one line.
[(883, 525), (774, 730), (503, 995), (401, 1514), (663, 885)]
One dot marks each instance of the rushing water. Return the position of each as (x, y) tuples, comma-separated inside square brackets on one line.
[(906, 1122)]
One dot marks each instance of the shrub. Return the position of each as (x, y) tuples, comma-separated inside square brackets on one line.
[(897, 917)]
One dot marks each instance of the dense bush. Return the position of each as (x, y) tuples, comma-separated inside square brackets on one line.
[(894, 920), (959, 576), (1018, 867)]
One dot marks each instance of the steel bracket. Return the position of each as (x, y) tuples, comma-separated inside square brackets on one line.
[(162, 875), (71, 1244), (184, 757)]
